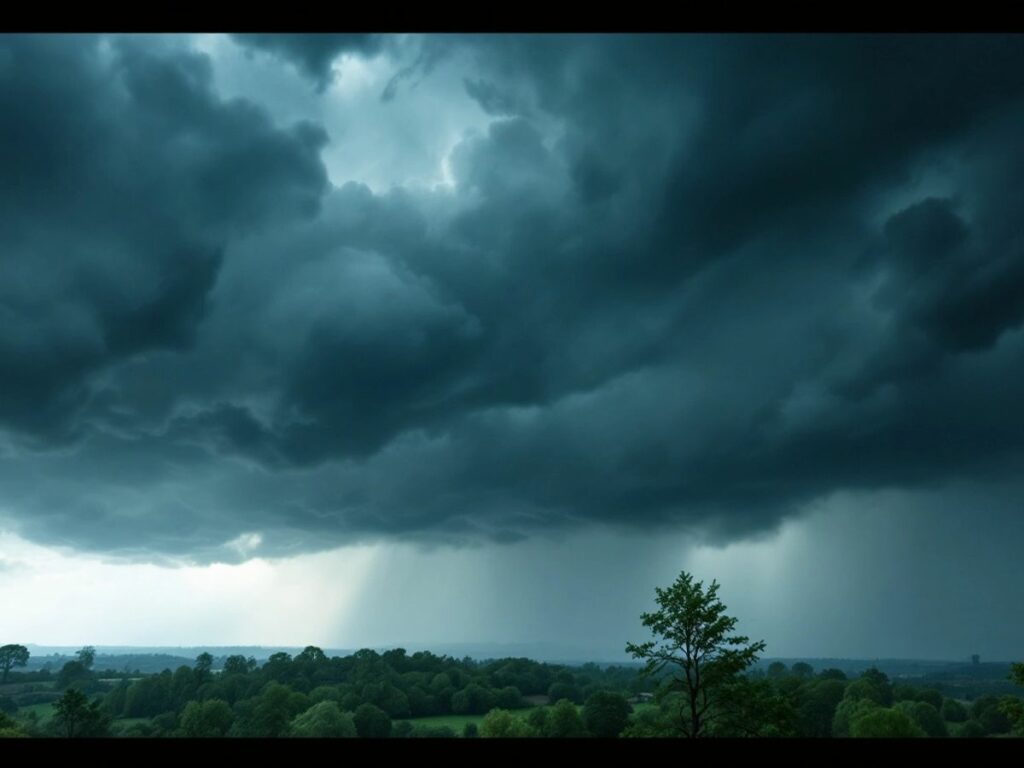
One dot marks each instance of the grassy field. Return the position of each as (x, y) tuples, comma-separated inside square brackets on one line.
[(43, 711), (455, 722)]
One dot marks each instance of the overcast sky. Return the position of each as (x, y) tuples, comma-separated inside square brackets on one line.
[(374, 339)]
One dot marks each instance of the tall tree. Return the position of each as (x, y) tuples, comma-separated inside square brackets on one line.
[(87, 656), (12, 656), (698, 639), (75, 716)]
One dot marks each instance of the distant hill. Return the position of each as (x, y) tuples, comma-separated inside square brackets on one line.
[(149, 659)]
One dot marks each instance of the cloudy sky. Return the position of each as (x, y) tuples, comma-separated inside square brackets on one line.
[(373, 339)]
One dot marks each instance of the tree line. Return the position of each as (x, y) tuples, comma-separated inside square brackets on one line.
[(697, 681)]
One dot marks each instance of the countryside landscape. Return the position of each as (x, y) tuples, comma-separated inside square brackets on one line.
[(470, 386), (369, 694)]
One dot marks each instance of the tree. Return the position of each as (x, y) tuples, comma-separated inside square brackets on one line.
[(988, 712), (817, 708), (86, 657), (204, 662), (885, 724), (75, 716), (502, 724), (239, 665), (71, 672), (564, 721), (926, 716), (606, 714), (777, 669), (1016, 673), (802, 670), (1012, 706), (324, 720), (12, 656), (207, 719), (699, 639), (848, 711), (509, 697), (953, 711), (972, 729), (372, 722)]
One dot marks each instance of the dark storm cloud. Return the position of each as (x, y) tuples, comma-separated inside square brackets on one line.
[(312, 53), (678, 282), (124, 178)]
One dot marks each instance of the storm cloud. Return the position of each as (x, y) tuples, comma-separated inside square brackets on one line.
[(677, 282)]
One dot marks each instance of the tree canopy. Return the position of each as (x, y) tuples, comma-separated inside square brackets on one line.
[(12, 656), (698, 639)]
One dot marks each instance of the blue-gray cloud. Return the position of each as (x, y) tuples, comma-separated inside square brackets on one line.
[(312, 53), (680, 281)]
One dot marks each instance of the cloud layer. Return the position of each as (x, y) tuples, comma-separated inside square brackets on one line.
[(677, 282)]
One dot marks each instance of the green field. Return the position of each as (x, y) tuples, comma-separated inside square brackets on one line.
[(43, 711), (455, 722)]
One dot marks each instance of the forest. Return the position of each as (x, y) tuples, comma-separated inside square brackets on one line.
[(698, 678)]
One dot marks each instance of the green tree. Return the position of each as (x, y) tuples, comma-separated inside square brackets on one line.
[(474, 699), (972, 729), (564, 721), (509, 697), (239, 665), (75, 716), (72, 672), (777, 669), (818, 701), (372, 722), (926, 716), (470, 731), (987, 711), (86, 657), (1017, 673), (802, 670), (324, 720), (879, 682), (204, 663), (953, 711), (207, 719), (849, 710), (502, 724), (10, 728), (606, 714), (753, 708), (537, 719), (885, 724), (1013, 707), (12, 656), (697, 638), (650, 723), (403, 729), (269, 713)]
